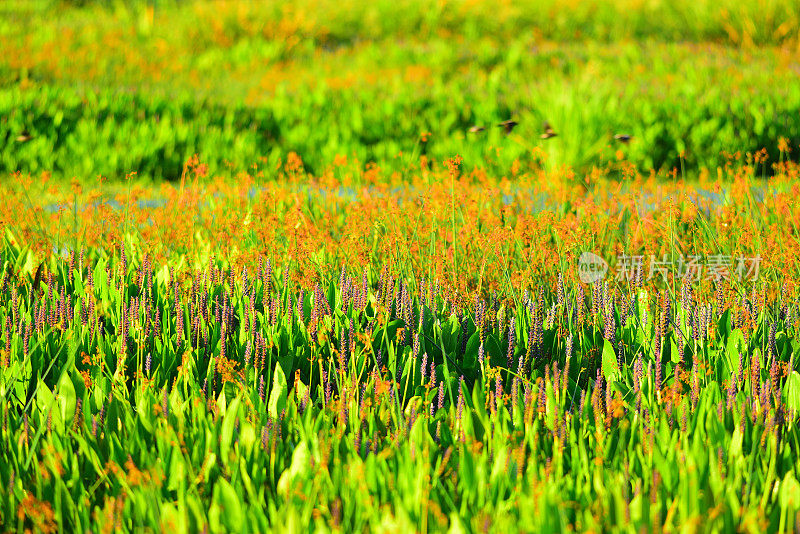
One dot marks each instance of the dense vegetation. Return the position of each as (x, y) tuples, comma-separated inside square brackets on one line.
[(236, 361), (305, 295), (142, 89)]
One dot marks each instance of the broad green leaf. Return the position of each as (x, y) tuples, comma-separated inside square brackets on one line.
[(172, 518), (735, 345), (610, 366), (66, 397), (225, 514), (177, 471), (301, 462), (792, 392), (789, 492), (278, 394), (456, 526), (228, 425)]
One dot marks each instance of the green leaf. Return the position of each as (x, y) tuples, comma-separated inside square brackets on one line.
[(171, 515), (228, 424), (735, 446), (493, 353), (177, 471), (45, 401), (301, 460), (300, 391), (470, 361), (225, 514), (790, 492), (610, 365), (550, 411), (676, 354), (792, 391), (278, 395), (456, 526), (451, 331), (66, 396)]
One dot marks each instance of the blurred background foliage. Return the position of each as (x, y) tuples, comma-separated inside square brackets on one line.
[(92, 88)]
